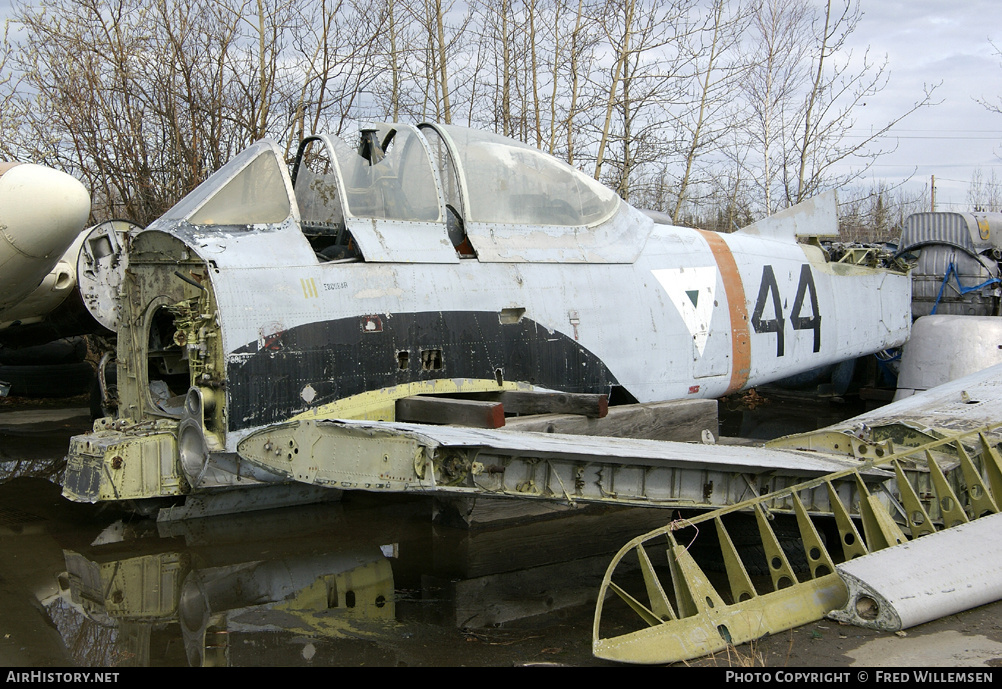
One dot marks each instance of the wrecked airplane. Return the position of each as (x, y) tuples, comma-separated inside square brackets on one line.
[(42, 217), (434, 261), (58, 280), (42, 212)]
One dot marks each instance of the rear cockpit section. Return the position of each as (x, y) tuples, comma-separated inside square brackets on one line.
[(379, 201), (507, 182)]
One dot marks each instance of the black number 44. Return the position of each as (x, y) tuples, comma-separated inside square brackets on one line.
[(778, 324)]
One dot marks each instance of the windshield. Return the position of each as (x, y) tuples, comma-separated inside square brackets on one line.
[(250, 189)]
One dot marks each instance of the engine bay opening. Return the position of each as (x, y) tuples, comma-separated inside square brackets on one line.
[(167, 369)]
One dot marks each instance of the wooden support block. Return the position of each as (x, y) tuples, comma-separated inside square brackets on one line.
[(444, 410), (681, 420), (530, 402)]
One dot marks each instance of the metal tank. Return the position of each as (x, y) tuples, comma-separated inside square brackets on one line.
[(957, 270)]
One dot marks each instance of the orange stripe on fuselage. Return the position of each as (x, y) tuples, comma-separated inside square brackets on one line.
[(735, 291)]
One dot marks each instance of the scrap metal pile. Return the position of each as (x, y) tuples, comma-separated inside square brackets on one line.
[(888, 558)]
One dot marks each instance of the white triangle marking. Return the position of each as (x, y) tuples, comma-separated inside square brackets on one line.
[(702, 280)]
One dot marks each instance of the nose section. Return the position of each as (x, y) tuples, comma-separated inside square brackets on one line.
[(41, 210)]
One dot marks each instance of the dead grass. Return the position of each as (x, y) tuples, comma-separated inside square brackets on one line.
[(744, 656)]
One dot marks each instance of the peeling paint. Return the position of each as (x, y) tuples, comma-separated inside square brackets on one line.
[(308, 394)]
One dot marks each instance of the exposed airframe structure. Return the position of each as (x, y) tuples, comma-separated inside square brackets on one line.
[(924, 549), (435, 260)]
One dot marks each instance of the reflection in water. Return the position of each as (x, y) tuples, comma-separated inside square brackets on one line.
[(372, 580), (247, 573), (217, 590), (34, 441)]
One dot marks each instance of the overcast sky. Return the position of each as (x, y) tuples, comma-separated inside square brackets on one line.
[(928, 42)]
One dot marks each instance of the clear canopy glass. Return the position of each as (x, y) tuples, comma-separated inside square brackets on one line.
[(248, 190), (397, 185), (512, 183)]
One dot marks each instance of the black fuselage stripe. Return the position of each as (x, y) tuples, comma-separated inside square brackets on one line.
[(332, 360)]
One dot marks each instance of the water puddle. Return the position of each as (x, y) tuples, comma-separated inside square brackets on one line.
[(369, 580)]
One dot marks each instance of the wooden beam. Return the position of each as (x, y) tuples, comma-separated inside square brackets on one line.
[(532, 402), (681, 420), (444, 410)]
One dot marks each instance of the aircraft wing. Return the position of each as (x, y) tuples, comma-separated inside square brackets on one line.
[(461, 461), (865, 568)]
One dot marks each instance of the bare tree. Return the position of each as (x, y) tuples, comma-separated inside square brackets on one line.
[(644, 77), (773, 82), (442, 41), (996, 105), (619, 39), (401, 32), (497, 47), (715, 76), (804, 90), (8, 87), (144, 98), (79, 63), (441, 54), (876, 212), (828, 111), (578, 43), (336, 49), (985, 191), (393, 56)]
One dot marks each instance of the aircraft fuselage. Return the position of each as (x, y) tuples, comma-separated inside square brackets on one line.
[(253, 303)]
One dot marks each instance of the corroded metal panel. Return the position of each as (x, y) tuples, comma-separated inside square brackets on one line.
[(461, 461), (971, 232)]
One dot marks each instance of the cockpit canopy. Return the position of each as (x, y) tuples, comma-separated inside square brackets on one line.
[(489, 178), (427, 193)]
